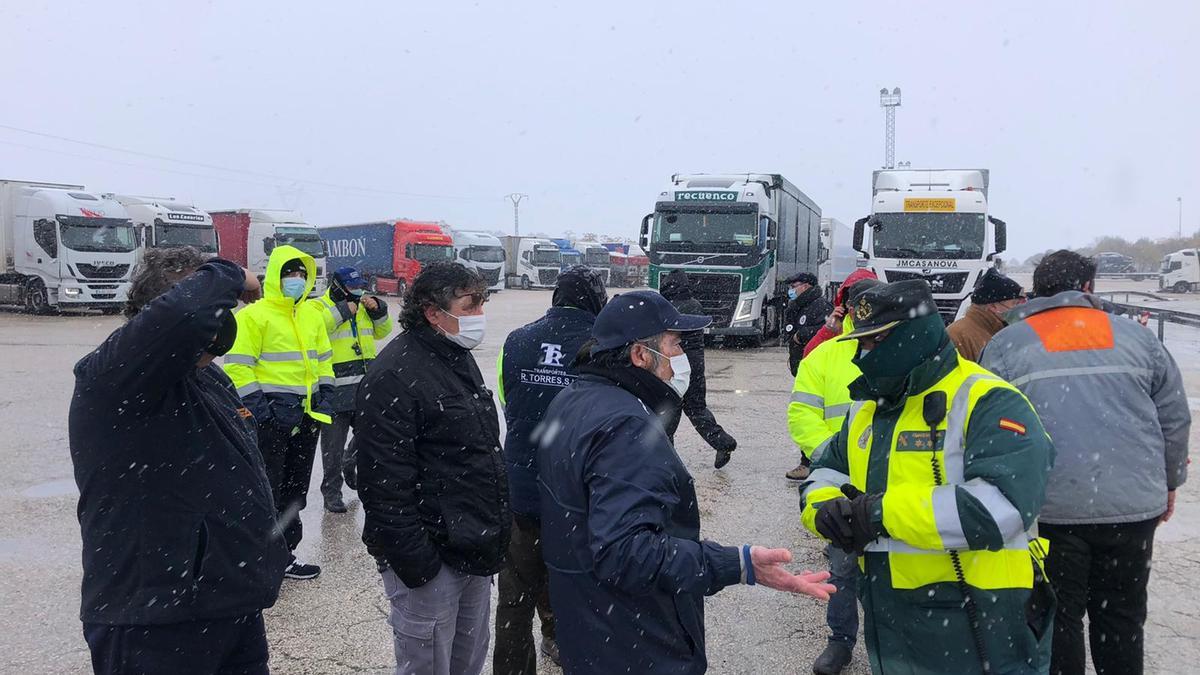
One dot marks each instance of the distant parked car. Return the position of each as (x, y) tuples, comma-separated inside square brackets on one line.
[(1114, 263)]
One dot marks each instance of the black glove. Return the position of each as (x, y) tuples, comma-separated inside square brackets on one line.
[(865, 530), (833, 522)]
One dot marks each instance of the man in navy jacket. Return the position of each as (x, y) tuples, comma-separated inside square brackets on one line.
[(534, 366), (180, 548), (620, 521)]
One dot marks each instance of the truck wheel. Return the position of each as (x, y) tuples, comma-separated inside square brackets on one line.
[(36, 301), (1180, 287), (372, 285), (525, 285)]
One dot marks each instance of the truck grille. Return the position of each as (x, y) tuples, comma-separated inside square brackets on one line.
[(948, 309), (717, 293), (107, 272), (940, 282), (492, 277), (547, 277)]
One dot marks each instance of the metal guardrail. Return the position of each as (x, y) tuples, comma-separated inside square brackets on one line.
[(1162, 315)]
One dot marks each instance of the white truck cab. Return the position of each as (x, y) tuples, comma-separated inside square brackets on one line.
[(483, 253), (531, 262), (64, 247), (164, 222), (931, 224), (1180, 271)]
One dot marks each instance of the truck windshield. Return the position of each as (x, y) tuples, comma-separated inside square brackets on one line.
[(430, 253), (485, 254), (304, 238), (95, 235), (705, 228), (929, 235), (167, 235), (546, 256), (594, 258)]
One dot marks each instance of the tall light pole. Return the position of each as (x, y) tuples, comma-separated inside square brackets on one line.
[(516, 198), (889, 103), (1180, 200)]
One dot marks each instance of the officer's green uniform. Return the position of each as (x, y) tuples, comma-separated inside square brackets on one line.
[(993, 457)]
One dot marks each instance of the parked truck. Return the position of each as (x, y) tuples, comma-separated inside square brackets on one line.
[(530, 262), (164, 222), (247, 237), (571, 256), (483, 253), (629, 265), (1180, 271), (596, 256), (63, 247), (738, 236), (931, 224), (388, 253), (838, 257)]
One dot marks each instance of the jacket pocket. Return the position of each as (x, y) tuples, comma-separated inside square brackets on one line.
[(173, 546), (454, 420)]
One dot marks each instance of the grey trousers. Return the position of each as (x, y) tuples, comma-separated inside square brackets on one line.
[(440, 628), (333, 453)]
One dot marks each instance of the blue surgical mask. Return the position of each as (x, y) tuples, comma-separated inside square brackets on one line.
[(294, 287), (792, 294), (358, 292)]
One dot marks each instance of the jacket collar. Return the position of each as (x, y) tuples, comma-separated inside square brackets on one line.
[(570, 313), (921, 378), (1064, 299), (986, 319), (655, 394), (808, 296)]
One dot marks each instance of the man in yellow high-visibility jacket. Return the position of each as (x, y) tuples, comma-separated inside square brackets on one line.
[(820, 401), (281, 364), (355, 321), (935, 481)]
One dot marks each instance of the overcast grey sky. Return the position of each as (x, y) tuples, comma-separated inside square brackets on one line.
[(1085, 113)]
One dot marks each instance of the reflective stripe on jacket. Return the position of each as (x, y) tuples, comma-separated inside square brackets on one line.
[(279, 350), (821, 394), (992, 457)]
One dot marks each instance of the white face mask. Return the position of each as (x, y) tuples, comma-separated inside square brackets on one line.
[(682, 372), (470, 330)]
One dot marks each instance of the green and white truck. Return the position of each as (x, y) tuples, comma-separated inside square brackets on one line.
[(738, 236)]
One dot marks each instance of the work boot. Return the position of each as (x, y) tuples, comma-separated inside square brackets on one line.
[(799, 473), (834, 659), (550, 649), (334, 504)]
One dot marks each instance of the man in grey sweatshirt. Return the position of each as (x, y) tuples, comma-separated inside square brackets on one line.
[(1112, 399)]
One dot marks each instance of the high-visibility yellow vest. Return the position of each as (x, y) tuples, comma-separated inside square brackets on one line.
[(821, 392), (349, 364)]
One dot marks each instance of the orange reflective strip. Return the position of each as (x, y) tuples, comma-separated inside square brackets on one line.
[(1071, 329)]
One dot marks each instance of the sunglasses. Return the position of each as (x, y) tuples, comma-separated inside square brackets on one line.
[(476, 298)]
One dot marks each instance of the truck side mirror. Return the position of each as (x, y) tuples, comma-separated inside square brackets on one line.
[(1001, 235), (860, 228), (268, 244), (644, 240)]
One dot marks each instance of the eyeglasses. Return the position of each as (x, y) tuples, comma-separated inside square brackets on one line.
[(477, 299)]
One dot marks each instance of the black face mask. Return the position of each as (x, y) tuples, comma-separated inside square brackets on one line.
[(226, 335)]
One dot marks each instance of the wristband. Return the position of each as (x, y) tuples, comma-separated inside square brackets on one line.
[(749, 564)]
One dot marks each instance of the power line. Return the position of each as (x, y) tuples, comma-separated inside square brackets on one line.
[(215, 167)]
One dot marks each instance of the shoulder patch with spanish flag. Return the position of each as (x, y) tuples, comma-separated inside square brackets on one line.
[(1010, 425)]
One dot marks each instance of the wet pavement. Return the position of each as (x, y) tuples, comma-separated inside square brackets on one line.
[(336, 624)]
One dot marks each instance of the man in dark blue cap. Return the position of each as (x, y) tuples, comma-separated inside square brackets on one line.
[(620, 524), (355, 321)]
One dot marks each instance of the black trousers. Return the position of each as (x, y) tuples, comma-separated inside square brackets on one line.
[(695, 406), (226, 646), (289, 455), (334, 455), (523, 587), (1101, 571)]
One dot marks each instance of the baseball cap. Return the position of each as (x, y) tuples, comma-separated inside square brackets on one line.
[(884, 307), (637, 315), (349, 277)]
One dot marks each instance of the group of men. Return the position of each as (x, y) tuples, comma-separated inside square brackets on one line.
[(984, 487), (929, 473)]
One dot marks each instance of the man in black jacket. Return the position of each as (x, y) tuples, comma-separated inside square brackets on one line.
[(677, 288), (620, 521), (804, 315), (180, 547), (431, 476), (534, 366)]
